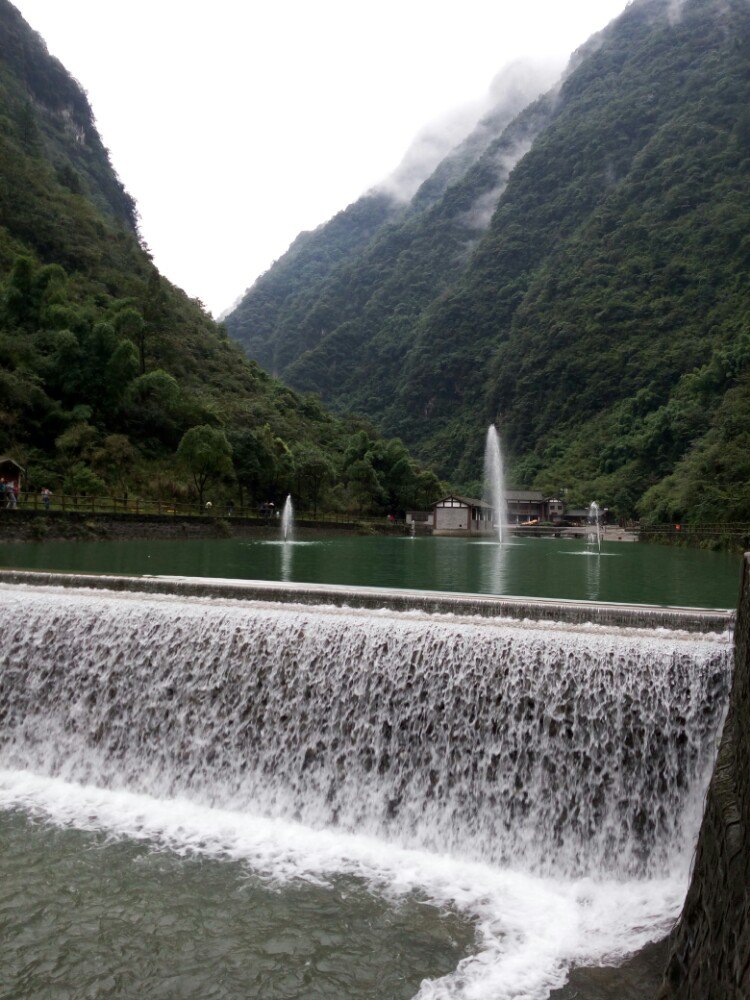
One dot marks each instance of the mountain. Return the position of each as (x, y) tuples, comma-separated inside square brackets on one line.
[(296, 304), (105, 366), (601, 317)]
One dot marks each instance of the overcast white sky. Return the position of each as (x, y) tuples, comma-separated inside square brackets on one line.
[(237, 123)]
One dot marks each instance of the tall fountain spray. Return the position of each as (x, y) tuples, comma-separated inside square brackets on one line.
[(494, 480), (595, 525), (287, 520)]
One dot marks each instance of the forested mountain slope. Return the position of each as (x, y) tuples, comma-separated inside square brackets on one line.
[(307, 263), (336, 274), (602, 318), (105, 366)]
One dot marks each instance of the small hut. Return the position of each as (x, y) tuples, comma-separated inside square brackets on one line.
[(12, 472), (462, 516)]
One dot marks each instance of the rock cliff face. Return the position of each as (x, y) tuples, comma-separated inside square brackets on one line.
[(53, 113), (600, 316), (710, 947)]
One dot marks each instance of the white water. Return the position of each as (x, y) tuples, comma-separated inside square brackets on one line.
[(494, 479), (287, 520), (546, 781), (595, 525), (529, 929)]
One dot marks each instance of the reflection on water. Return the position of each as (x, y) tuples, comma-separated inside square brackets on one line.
[(526, 567), (286, 562), (592, 553), (593, 576), (494, 569)]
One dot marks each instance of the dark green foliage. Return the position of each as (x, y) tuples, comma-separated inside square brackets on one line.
[(343, 301), (50, 115), (108, 373), (310, 259), (314, 472), (206, 454), (382, 469), (602, 319)]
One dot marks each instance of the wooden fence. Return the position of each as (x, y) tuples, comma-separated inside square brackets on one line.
[(139, 507)]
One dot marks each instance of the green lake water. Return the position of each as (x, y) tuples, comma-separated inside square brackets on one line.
[(549, 567)]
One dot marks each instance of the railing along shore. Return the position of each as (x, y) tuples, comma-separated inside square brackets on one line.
[(264, 514), (139, 507), (734, 528)]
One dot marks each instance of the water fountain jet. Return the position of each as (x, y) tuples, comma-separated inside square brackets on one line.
[(287, 520), (595, 525), (494, 480)]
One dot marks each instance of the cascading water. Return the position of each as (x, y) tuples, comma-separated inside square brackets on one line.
[(494, 479), (287, 520), (454, 754)]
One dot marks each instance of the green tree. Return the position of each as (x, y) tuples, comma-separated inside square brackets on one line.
[(427, 489), (152, 410), (313, 472), (115, 460), (205, 454), (120, 370), (154, 314), (20, 305), (79, 480), (77, 442), (254, 463), (129, 323), (364, 484), (31, 290)]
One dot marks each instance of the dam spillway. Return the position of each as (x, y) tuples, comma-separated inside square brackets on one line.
[(573, 755), (394, 599)]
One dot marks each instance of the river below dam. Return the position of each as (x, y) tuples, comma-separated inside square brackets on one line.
[(224, 798)]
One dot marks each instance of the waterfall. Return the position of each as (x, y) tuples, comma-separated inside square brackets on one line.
[(494, 479), (556, 749)]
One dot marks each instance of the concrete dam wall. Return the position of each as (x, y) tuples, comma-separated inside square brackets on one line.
[(540, 765), (639, 616), (710, 947)]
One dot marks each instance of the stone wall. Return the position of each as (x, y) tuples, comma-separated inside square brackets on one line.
[(37, 526), (55, 525), (710, 946)]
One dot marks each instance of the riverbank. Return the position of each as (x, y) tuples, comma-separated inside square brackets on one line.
[(34, 525), (57, 525), (709, 537)]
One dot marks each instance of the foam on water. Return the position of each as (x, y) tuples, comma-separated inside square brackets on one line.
[(545, 780), (280, 541), (530, 930)]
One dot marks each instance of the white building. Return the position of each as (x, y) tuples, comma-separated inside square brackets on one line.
[(462, 516)]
